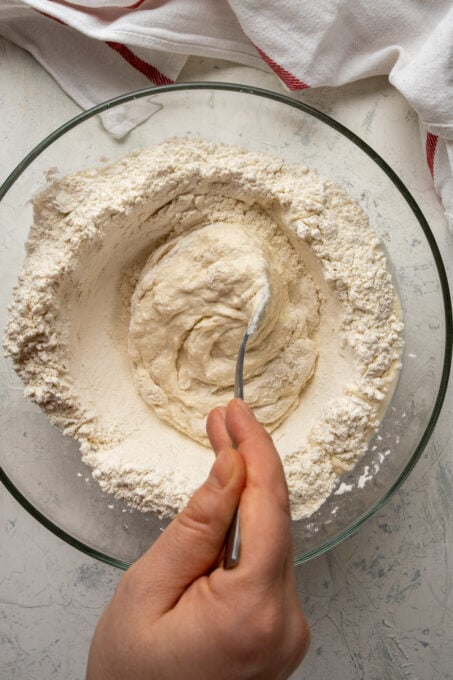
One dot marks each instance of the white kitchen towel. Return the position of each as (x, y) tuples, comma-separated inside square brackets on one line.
[(97, 49)]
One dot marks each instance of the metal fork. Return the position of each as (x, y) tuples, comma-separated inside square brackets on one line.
[(233, 538)]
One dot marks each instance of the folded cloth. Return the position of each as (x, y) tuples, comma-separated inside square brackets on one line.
[(97, 49)]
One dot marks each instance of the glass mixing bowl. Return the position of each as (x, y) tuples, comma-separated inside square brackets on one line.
[(43, 469)]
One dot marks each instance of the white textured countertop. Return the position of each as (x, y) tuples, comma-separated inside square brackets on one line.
[(380, 604)]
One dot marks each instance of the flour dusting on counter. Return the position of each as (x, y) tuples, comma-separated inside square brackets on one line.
[(139, 282)]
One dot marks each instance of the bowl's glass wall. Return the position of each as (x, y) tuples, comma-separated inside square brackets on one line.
[(45, 467)]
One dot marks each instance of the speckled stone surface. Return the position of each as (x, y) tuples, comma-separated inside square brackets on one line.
[(380, 604)]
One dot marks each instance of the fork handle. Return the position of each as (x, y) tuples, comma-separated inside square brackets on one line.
[(233, 538), (239, 374), (232, 543)]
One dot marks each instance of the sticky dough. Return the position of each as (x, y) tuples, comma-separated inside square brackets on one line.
[(192, 304)]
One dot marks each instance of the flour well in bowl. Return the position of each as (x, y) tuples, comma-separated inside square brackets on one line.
[(138, 285)]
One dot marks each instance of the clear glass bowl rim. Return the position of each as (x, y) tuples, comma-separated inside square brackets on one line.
[(283, 99)]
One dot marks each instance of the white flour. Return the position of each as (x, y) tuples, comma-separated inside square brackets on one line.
[(196, 230)]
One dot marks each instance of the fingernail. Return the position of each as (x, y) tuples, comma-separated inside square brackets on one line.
[(222, 470), (245, 407)]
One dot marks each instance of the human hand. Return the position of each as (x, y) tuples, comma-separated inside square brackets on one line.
[(177, 613)]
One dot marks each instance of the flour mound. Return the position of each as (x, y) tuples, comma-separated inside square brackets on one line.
[(139, 282)]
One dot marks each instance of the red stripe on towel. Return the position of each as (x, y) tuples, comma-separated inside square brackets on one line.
[(136, 4), (431, 145), (146, 69), (288, 78), (49, 16)]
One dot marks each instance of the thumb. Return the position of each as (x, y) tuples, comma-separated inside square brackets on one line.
[(192, 543)]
